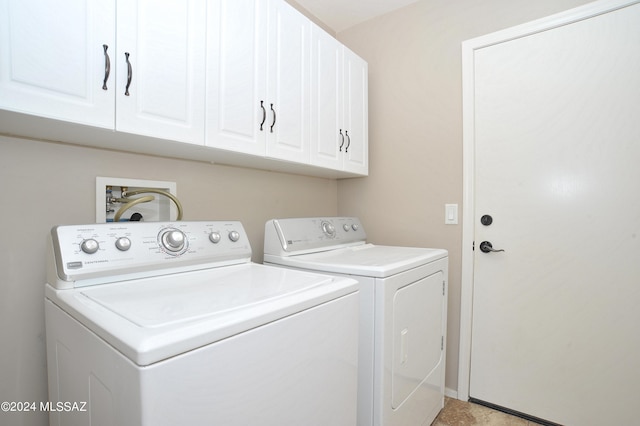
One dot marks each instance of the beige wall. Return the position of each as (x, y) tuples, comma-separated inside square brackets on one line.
[(46, 184), (415, 125)]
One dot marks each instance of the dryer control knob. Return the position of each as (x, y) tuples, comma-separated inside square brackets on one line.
[(214, 237), (355, 227), (123, 244), (234, 236), (173, 240), (346, 228), (89, 246)]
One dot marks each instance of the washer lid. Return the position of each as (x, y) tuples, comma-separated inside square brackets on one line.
[(169, 300), (367, 260), (156, 318)]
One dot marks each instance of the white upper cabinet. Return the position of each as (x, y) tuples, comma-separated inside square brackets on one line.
[(241, 82), (288, 73), (258, 79), (55, 58), (356, 114), (339, 113), (327, 106), (236, 104), (59, 60), (161, 69)]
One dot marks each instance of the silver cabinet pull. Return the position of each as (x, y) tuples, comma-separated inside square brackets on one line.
[(346, 149), (341, 140), (264, 114), (129, 74), (274, 118), (107, 67)]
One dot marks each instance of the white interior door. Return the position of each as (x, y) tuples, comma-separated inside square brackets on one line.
[(557, 151)]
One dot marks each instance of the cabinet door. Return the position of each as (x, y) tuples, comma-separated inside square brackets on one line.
[(356, 114), (327, 133), (288, 83), (161, 59), (236, 76), (52, 60)]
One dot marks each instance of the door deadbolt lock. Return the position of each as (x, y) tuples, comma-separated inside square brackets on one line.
[(486, 220)]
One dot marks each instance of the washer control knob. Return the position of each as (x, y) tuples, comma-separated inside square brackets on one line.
[(234, 236), (173, 240), (89, 246), (355, 227), (214, 237), (123, 244), (346, 227), (328, 229)]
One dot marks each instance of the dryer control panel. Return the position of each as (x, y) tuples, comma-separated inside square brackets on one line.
[(98, 253), (307, 235)]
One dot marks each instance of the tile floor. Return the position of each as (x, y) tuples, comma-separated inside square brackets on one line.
[(461, 413)]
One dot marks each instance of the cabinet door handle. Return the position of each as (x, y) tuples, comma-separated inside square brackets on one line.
[(341, 140), (346, 148), (274, 118), (107, 67), (129, 74), (264, 114)]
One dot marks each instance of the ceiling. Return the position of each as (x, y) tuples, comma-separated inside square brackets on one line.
[(343, 14)]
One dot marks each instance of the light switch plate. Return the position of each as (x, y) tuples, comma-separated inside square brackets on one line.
[(450, 214)]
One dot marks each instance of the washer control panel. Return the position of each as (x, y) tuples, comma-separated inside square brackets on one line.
[(312, 234), (88, 252)]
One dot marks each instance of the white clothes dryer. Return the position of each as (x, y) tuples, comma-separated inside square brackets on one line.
[(403, 311), (152, 324)]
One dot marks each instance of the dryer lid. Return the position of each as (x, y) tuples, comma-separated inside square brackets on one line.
[(367, 260)]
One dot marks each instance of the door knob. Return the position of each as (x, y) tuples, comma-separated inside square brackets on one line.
[(487, 247)]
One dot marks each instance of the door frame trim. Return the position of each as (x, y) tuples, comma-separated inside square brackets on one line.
[(468, 156)]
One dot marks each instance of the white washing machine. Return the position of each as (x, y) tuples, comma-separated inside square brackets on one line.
[(403, 311), (171, 324)]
